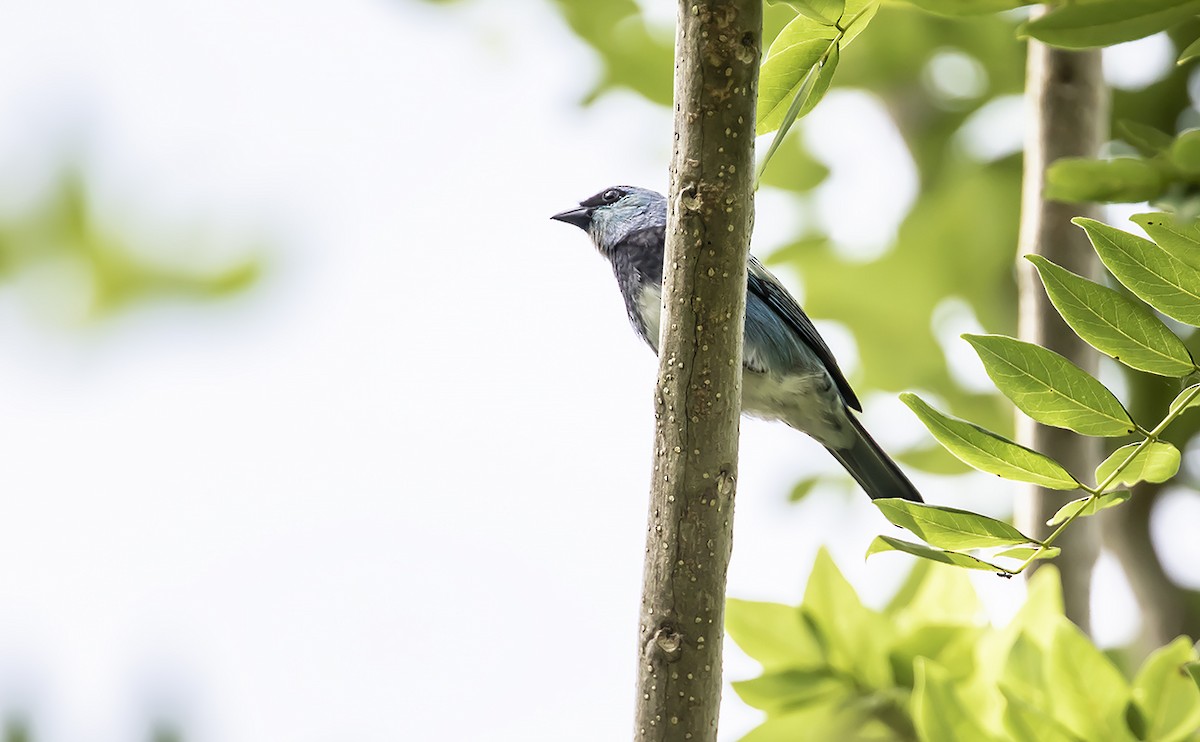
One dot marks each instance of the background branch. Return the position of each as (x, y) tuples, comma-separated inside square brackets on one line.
[(1069, 109)]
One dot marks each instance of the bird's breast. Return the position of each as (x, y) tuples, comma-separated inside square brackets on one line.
[(807, 401), (646, 314)]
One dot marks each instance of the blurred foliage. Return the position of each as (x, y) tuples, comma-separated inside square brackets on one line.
[(967, 7), (926, 667), (165, 732), (946, 247), (16, 729), (633, 54), (93, 269)]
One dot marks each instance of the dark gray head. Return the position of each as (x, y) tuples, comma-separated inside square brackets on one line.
[(614, 213)]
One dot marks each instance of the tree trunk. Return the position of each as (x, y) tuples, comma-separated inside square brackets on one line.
[(1068, 103), (698, 397), (1161, 602)]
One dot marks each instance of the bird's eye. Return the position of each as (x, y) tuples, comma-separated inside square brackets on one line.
[(612, 195)]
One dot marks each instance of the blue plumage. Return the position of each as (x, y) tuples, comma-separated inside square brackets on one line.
[(790, 373)]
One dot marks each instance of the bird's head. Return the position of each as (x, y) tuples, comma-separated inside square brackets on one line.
[(614, 213)]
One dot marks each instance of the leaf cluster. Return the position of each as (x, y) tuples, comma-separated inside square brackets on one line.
[(799, 66), (633, 54), (1158, 167), (64, 233), (1051, 390), (926, 667)]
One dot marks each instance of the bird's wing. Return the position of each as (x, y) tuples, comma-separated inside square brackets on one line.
[(766, 287)]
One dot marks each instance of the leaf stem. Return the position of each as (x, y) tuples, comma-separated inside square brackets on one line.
[(1101, 487)]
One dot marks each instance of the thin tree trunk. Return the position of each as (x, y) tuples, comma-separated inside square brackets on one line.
[(1161, 602), (698, 398), (1167, 609), (1068, 102)]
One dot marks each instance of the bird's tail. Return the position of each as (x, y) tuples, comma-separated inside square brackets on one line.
[(873, 469)]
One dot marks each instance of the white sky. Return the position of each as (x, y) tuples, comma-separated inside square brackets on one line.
[(398, 491)]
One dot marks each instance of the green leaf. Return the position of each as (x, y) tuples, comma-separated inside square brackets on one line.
[(949, 528), (778, 691), (1106, 22), (854, 636), (1113, 323), (1123, 180), (951, 645), (967, 7), (794, 55), (941, 596), (1148, 140), (1043, 606), (1086, 691), (1049, 388), (1157, 461), (1026, 722), (1186, 399), (1191, 52), (1180, 240), (789, 75), (632, 53), (1165, 283), (989, 452), (1185, 151), (938, 713), (1193, 669), (856, 16), (912, 586), (815, 721), (1166, 696), (1025, 552), (802, 488), (1022, 669), (825, 12), (816, 81), (887, 543), (775, 635), (1088, 506)]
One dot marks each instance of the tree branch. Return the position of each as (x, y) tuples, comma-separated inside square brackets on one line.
[(698, 398)]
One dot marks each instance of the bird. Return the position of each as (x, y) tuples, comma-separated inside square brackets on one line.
[(789, 372)]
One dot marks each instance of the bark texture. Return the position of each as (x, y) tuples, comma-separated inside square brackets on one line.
[(698, 397), (1068, 104)]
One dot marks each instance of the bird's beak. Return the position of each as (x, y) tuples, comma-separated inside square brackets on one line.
[(580, 217)]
